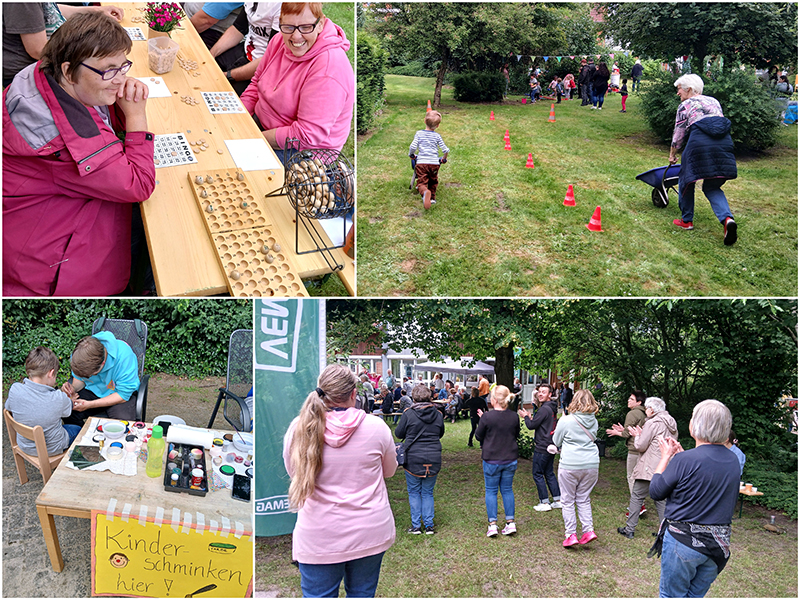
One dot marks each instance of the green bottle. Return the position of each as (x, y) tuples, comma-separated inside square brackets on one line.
[(155, 452)]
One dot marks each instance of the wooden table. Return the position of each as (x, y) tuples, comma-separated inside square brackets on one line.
[(183, 258), (75, 493), (743, 492)]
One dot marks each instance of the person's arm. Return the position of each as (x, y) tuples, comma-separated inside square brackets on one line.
[(110, 400), (665, 477), (245, 72), (642, 441), (201, 21), (560, 432), (400, 430), (112, 11), (679, 133), (34, 43), (227, 40), (389, 454), (480, 432)]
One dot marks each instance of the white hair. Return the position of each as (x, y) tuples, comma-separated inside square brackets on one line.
[(690, 81), (655, 404), (711, 422)]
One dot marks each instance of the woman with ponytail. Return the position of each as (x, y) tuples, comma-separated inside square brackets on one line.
[(337, 457)]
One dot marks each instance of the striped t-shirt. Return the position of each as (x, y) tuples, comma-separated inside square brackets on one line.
[(426, 146)]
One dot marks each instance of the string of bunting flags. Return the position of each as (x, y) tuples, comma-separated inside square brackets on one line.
[(610, 55)]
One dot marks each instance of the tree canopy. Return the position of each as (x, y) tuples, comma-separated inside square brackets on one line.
[(754, 33)]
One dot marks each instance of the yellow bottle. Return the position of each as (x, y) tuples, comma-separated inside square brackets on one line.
[(155, 452)]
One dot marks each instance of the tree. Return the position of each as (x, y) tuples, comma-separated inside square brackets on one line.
[(754, 33), (475, 35)]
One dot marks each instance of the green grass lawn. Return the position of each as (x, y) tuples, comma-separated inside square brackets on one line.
[(460, 561), (499, 229)]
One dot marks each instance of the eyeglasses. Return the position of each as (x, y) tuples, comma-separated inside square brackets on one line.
[(307, 28), (111, 73)]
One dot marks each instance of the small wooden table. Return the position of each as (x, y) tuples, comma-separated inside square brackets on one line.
[(75, 493), (181, 253), (743, 492)]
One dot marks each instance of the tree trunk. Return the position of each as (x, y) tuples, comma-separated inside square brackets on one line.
[(504, 369), (437, 94)]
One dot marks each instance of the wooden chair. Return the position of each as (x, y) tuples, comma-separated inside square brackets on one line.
[(36, 434)]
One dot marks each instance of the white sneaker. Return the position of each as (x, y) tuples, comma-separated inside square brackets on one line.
[(492, 530), (510, 529), (556, 504), (542, 507)]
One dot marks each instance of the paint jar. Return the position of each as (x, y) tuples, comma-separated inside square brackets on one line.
[(215, 451), (197, 454), (115, 451), (197, 476), (230, 457), (99, 439), (247, 463), (238, 459), (226, 473), (130, 446), (173, 480), (217, 460), (173, 454)]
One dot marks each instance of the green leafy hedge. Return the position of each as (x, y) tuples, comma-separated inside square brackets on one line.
[(780, 489), (185, 337), (479, 86), (747, 104), (370, 86)]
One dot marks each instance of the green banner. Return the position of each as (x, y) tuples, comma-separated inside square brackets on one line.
[(289, 356)]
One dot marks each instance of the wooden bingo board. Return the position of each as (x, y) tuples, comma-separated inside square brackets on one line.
[(250, 254)]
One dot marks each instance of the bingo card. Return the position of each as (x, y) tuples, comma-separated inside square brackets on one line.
[(223, 102), (136, 34), (171, 150)]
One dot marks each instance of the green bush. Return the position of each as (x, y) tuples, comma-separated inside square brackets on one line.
[(479, 86), (414, 68), (747, 104), (370, 86), (525, 442), (780, 489), (185, 337)]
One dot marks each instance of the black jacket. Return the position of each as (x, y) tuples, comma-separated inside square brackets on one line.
[(709, 152), (473, 404), (544, 422), (586, 74), (423, 456), (498, 431), (637, 70)]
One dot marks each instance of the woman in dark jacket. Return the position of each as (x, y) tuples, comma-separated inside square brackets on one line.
[(600, 86), (704, 134), (544, 422), (474, 404), (423, 426)]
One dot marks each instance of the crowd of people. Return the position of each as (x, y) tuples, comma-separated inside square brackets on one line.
[(338, 457)]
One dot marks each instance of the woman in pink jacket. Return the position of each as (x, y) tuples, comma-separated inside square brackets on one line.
[(76, 156), (304, 87), (338, 457)]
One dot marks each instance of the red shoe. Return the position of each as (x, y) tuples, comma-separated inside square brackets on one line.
[(571, 541), (729, 232), (680, 223), (642, 510), (587, 537)]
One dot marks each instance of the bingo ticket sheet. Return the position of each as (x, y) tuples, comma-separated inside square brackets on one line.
[(223, 102), (171, 150)]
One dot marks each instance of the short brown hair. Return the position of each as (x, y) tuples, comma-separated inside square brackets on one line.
[(83, 36), (88, 357), (40, 361), (419, 393), (295, 8), (433, 118)]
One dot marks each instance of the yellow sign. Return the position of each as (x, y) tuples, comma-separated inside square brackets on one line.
[(156, 561)]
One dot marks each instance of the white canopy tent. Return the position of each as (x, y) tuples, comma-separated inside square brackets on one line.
[(456, 367)]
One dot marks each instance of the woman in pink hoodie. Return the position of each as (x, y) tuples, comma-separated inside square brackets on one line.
[(304, 86), (338, 457)]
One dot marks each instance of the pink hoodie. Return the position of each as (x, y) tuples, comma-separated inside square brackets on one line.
[(348, 516), (310, 97)]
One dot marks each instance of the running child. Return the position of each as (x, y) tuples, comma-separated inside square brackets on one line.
[(425, 149), (624, 94)]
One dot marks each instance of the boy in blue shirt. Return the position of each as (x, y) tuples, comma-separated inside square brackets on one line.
[(105, 378), (426, 146), (36, 401)]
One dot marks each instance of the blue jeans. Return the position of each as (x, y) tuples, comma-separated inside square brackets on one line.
[(499, 477), (72, 432), (685, 573), (598, 98), (715, 195), (543, 476), (360, 578), (420, 499), (636, 84)]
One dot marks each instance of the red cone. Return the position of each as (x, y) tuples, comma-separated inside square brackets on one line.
[(594, 222), (491, 116), (429, 106), (569, 199), (529, 164), (506, 137), (552, 117), (508, 145)]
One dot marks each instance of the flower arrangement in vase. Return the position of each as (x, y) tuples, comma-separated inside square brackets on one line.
[(163, 17)]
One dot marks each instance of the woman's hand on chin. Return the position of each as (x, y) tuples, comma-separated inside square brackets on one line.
[(132, 100)]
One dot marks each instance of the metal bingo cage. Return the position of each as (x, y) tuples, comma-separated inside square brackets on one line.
[(320, 184)]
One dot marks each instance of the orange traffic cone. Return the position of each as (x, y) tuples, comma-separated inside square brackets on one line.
[(569, 199), (491, 116), (508, 145), (429, 107), (552, 117), (506, 136), (529, 164), (594, 222)]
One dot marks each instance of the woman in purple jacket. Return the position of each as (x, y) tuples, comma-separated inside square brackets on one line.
[(76, 156)]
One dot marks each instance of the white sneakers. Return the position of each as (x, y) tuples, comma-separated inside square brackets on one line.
[(492, 530), (541, 507), (556, 504), (510, 528)]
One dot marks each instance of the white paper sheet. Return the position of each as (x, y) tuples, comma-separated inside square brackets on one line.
[(252, 155), (157, 87)]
